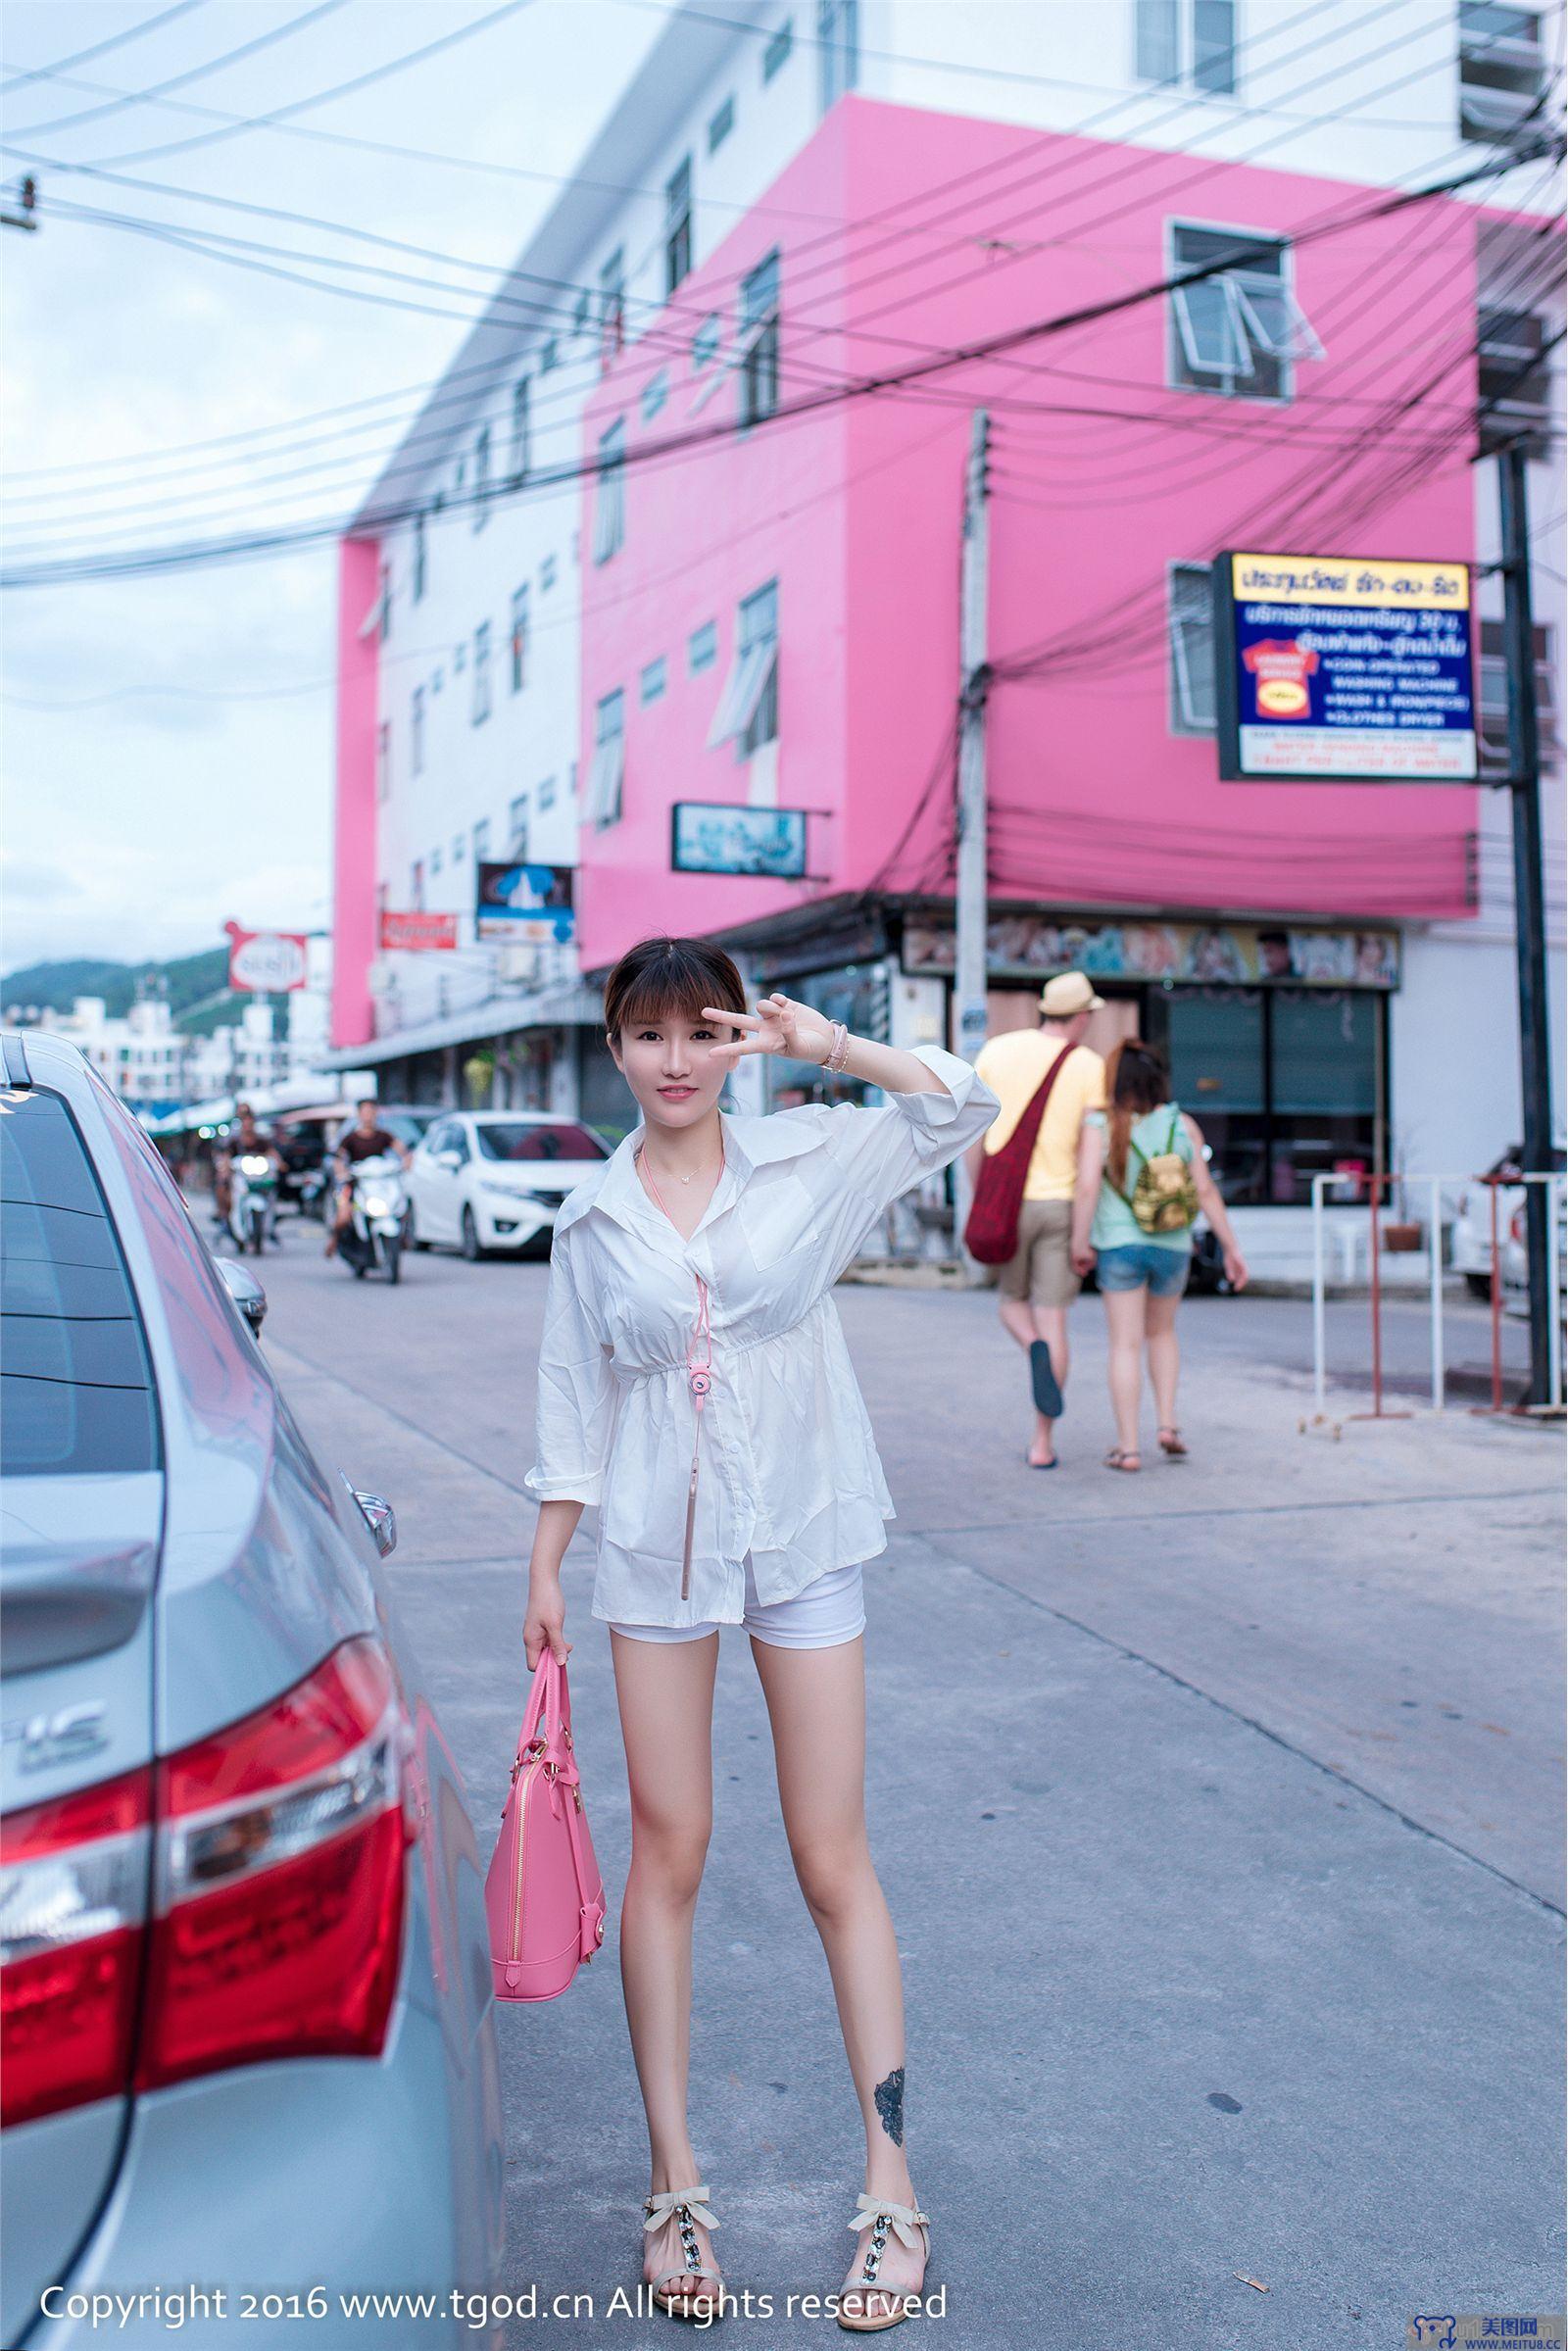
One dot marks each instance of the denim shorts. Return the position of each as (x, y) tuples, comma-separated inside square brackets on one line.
[(1136, 1262), (829, 1611)]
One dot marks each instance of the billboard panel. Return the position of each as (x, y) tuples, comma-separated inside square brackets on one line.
[(720, 837), (522, 905), (1343, 670), (416, 933)]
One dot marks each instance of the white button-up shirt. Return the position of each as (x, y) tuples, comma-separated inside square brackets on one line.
[(788, 1467)]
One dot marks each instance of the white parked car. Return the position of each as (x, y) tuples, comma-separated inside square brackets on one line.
[(1470, 1248), (484, 1180)]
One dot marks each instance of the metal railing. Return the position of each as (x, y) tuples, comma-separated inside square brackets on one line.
[(1376, 1187)]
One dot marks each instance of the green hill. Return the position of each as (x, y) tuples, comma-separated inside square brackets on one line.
[(197, 986)]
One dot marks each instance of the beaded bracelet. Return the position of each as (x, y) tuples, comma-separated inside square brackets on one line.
[(839, 1051)]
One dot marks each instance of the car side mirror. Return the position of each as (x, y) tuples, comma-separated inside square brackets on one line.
[(245, 1291), (379, 1517), (451, 1159)]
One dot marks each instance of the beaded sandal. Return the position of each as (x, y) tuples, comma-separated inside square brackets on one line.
[(877, 2214), (689, 2207)]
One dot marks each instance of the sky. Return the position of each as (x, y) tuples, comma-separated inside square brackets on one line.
[(167, 742)]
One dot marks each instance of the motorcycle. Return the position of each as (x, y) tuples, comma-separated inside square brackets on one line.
[(253, 1202), (315, 1194), (377, 1218), (306, 1174)]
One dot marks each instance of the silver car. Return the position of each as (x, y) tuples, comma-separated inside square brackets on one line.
[(249, 2037)]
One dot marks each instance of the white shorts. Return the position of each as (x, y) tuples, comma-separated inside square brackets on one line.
[(829, 1611)]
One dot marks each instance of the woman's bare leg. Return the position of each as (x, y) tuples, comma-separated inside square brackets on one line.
[(666, 1695), (1124, 1322), (1164, 1357), (816, 1705)]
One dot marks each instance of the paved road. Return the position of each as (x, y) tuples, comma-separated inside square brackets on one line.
[(1218, 1807)]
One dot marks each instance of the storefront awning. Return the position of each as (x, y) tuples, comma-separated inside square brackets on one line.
[(574, 1006)]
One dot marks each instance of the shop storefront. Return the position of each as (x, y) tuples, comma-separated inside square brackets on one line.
[(1277, 1037)]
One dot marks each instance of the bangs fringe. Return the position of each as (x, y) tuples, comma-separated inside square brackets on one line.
[(663, 979)]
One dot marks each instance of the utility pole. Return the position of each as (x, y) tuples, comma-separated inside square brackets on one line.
[(1528, 898), (970, 910)]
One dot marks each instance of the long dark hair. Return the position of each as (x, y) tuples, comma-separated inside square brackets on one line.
[(661, 977), (1137, 1081)]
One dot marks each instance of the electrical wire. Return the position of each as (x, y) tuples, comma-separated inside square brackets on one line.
[(840, 229), (151, 96), (115, 40), (1413, 857), (798, 370), (657, 449), (1118, 637), (1011, 75), (646, 586), (341, 89), (795, 367), (1122, 171)]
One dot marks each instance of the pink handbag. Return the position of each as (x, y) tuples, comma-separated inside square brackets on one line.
[(542, 1894)]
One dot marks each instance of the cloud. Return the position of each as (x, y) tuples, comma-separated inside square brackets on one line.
[(30, 878)]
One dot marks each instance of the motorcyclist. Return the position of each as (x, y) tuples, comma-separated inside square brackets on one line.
[(365, 1140), (244, 1139)]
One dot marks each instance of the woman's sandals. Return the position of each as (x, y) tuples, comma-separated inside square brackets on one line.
[(879, 2216), (689, 2207)]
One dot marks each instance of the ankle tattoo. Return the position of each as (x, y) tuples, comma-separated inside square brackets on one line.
[(888, 2096)]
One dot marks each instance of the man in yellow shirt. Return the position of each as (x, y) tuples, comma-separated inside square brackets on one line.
[(1038, 1284)]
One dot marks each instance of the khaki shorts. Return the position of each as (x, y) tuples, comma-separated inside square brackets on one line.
[(1041, 1268)]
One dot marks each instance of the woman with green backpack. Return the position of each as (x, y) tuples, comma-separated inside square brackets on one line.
[(1143, 1182)]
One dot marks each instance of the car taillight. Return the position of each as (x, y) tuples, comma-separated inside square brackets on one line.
[(277, 1893), (72, 1902)]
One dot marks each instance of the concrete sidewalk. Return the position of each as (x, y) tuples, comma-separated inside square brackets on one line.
[(1218, 1809)]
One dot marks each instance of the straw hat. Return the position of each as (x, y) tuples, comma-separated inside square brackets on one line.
[(1071, 992)]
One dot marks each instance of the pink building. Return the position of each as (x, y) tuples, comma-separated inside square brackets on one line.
[(1120, 462), (1103, 482)]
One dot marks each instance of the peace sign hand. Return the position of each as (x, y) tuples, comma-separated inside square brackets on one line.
[(779, 1025)]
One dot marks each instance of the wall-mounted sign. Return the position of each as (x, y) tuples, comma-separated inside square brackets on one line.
[(718, 836), (529, 905), (1338, 669), (270, 962), (418, 934), (1033, 946)]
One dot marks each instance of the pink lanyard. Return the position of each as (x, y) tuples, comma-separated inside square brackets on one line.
[(700, 1375)]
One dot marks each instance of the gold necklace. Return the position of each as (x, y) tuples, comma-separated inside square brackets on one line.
[(641, 1154)]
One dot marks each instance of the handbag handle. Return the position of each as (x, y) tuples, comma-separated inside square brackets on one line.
[(549, 1700)]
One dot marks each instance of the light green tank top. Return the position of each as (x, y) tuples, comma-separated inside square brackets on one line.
[(1115, 1226)]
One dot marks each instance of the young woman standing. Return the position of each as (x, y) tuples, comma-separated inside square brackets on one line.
[(1142, 1274), (695, 1384)]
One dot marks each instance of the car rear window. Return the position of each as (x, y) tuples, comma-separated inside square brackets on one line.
[(75, 1382), (538, 1143)]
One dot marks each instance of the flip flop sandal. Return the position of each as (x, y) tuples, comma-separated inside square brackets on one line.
[(1117, 1458), (1170, 1442), (1053, 1464), (1043, 1379)]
